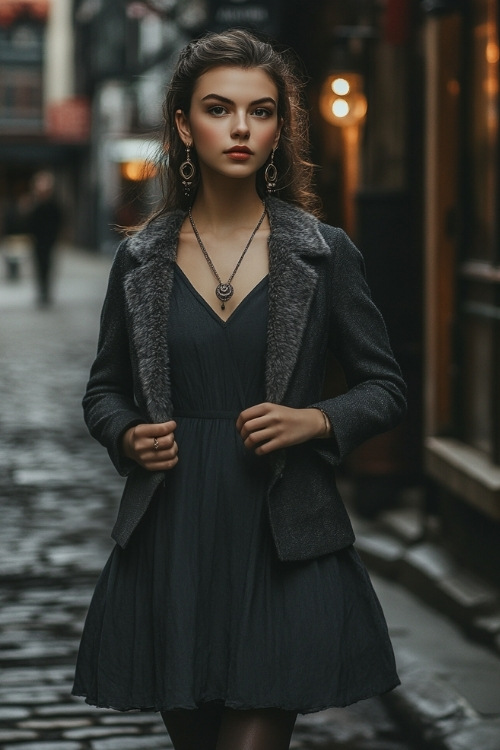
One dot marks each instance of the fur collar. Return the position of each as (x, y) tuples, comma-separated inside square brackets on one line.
[(295, 241)]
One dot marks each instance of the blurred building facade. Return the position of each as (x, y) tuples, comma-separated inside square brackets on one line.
[(126, 52), (425, 213), (43, 123), (462, 276)]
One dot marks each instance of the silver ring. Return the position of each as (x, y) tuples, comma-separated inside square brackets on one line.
[(156, 444)]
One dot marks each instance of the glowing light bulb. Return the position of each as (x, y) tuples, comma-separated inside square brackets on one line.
[(340, 108), (341, 101), (340, 86)]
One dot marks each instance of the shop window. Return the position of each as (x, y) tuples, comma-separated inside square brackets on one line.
[(21, 43), (478, 394), (483, 129), (21, 99)]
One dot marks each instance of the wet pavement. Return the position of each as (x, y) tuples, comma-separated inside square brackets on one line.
[(59, 494)]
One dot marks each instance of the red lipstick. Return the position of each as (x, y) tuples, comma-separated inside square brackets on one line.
[(239, 153)]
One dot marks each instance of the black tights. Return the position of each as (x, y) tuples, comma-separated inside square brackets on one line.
[(213, 727)]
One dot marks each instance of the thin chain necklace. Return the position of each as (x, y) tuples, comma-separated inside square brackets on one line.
[(223, 291)]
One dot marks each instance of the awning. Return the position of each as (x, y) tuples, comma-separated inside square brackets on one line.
[(42, 152)]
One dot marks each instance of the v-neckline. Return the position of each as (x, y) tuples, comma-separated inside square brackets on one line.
[(208, 306)]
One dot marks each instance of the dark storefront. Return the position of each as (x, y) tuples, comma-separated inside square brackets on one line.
[(462, 425)]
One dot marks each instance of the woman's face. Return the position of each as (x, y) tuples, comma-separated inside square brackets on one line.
[(233, 122)]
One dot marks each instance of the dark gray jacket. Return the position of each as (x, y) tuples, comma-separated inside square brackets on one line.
[(318, 300)]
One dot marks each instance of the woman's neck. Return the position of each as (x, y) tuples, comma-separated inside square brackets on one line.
[(233, 204)]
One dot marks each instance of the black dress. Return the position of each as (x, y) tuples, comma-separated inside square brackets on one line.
[(198, 607)]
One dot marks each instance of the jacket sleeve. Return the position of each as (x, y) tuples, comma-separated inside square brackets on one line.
[(375, 400), (108, 404)]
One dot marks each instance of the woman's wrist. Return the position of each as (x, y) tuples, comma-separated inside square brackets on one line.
[(327, 424), (323, 424)]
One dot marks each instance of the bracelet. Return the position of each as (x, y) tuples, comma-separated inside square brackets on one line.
[(328, 424)]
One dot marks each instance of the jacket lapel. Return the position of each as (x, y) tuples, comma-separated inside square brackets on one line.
[(294, 244), (148, 288)]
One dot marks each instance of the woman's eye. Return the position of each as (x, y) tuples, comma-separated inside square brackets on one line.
[(218, 110), (262, 112)]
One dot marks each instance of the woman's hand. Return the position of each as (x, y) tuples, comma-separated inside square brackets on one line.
[(152, 446), (267, 427)]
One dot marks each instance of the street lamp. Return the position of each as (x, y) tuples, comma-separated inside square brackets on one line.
[(342, 103)]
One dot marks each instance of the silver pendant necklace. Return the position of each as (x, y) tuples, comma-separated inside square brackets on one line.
[(224, 291)]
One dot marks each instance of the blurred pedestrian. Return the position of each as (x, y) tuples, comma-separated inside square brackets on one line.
[(44, 223), (234, 598)]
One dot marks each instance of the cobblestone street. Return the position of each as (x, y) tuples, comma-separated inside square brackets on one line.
[(58, 495)]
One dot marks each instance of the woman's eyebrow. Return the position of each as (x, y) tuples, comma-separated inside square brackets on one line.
[(225, 100)]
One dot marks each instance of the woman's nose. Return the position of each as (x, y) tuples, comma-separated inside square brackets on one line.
[(240, 126)]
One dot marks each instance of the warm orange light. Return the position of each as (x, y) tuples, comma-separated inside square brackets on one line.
[(490, 86), (138, 170), (492, 53), (341, 100)]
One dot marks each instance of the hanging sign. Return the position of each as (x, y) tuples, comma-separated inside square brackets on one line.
[(261, 16)]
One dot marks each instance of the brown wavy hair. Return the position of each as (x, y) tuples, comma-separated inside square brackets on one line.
[(239, 48)]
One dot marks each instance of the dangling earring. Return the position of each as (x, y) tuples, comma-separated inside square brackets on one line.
[(187, 171), (271, 175)]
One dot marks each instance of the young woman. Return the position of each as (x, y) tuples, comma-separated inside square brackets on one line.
[(234, 598)]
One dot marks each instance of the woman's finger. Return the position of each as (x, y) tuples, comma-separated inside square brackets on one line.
[(158, 444), (269, 446), (160, 461), (161, 429), (254, 425), (162, 455), (253, 412), (162, 465), (259, 436)]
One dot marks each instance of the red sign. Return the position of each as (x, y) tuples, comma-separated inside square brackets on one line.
[(397, 21), (11, 10), (69, 120)]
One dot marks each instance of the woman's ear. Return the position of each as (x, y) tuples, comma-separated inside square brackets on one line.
[(183, 128), (278, 134)]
